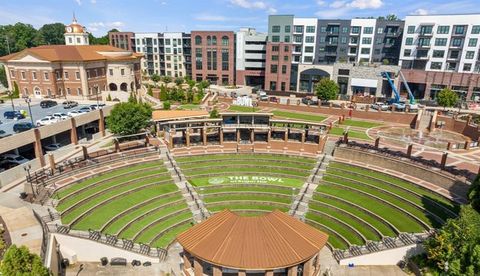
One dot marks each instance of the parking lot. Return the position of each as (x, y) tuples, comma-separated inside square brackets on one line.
[(37, 112)]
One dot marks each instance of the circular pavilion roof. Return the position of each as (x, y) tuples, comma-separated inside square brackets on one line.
[(275, 240)]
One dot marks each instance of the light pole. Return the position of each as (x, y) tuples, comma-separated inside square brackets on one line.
[(10, 94), (29, 179), (28, 100)]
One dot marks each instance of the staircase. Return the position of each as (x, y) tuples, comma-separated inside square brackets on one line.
[(300, 204), (195, 204), (425, 121)]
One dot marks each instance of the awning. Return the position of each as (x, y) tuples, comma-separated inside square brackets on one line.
[(364, 82)]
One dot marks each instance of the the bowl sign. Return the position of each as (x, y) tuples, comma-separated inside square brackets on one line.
[(244, 179)]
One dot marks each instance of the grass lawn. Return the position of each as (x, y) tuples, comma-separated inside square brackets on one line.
[(359, 123), (299, 116), (400, 220), (247, 206), (214, 190), (189, 107), (276, 157), (378, 224), (236, 170), (248, 162), (341, 229), (204, 181), (247, 197), (166, 239), (338, 131), (239, 108), (148, 235)]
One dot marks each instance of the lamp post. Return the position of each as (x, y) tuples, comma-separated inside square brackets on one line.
[(28, 100), (27, 169), (10, 94)]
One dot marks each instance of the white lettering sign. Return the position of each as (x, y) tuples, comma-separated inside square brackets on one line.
[(244, 180)]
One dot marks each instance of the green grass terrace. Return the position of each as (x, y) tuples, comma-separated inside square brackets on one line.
[(140, 203), (355, 205), (246, 183)]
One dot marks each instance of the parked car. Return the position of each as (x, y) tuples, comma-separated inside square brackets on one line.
[(273, 99), (400, 106), (47, 120), (60, 116), (412, 107), (13, 158), (74, 113), (309, 101), (380, 106), (47, 104), (69, 104), (85, 109), (53, 147), (262, 95), (21, 127), (96, 106), (4, 134), (13, 115)]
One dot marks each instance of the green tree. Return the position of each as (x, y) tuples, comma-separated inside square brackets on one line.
[(14, 38), (51, 34), (19, 261), (214, 113), (129, 118), (390, 17), (474, 194), (385, 61), (132, 98), (109, 98), (155, 78), (178, 81), (327, 89), (166, 105), (191, 83), (3, 76), (190, 96), (167, 79), (150, 91), (163, 93), (16, 91), (447, 98), (103, 40)]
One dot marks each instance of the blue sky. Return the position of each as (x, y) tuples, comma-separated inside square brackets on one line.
[(185, 15)]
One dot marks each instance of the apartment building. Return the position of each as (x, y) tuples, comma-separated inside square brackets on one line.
[(151, 45), (177, 54), (441, 51), (250, 56), (214, 56), (122, 40)]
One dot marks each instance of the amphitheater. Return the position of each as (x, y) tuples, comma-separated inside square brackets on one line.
[(140, 195)]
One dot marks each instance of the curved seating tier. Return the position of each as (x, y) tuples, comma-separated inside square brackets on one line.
[(140, 203), (357, 205), (247, 183)]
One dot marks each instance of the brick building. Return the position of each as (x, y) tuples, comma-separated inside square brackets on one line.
[(122, 40)]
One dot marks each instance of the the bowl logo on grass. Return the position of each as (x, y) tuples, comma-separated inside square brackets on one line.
[(244, 180), (216, 180)]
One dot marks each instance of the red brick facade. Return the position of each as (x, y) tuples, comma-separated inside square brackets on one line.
[(279, 56), (122, 40), (208, 46), (241, 74)]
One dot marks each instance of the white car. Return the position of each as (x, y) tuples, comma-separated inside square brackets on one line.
[(61, 116), (85, 109), (380, 106), (74, 113), (13, 159), (48, 120), (96, 106), (52, 147)]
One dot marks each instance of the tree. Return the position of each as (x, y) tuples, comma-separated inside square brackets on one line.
[(390, 17), (155, 78), (103, 40), (327, 89), (163, 93), (129, 118), (167, 79), (3, 76), (109, 98), (51, 34), (19, 261), (132, 98), (447, 98), (191, 83), (474, 194), (166, 105), (15, 38), (214, 113), (16, 91), (178, 81), (385, 61)]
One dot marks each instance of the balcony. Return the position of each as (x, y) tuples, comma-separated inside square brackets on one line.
[(425, 34), (391, 34), (331, 54), (330, 42)]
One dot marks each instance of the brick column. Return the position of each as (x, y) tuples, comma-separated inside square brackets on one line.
[(252, 136), (101, 122), (285, 138), (345, 137), (467, 145), (303, 137), (73, 131), (220, 134), (204, 136), (186, 261), (187, 137), (377, 142), (444, 160), (308, 268), (238, 135), (38, 147), (170, 142), (269, 273), (198, 267), (85, 152), (269, 135), (117, 146), (292, 271), (409, 150), (51, 161), (217, 271)]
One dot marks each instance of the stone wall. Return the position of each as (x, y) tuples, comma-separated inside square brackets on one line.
[(386, 257)]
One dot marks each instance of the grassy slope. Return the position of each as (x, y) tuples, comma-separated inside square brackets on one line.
[(299, 116)]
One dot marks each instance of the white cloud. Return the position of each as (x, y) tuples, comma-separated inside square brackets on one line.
[(420, 12), (97, 26), (338, 4), (321, 3), (258, 5), (366, 4), (79, 2)]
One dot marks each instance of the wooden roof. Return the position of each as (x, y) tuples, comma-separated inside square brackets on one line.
[(166, 115), (275, 240)]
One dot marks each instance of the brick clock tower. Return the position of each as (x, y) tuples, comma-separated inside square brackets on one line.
[(76, 34)]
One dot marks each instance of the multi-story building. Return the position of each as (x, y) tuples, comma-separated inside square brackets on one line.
[(214, 56), (122, 40), (441, 51), (177, 54), (76, 34), (153, 50), (250, 57)]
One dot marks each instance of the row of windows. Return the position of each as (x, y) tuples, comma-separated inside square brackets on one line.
[(212, 40), (451, 66), (457, 29), (455, 42), (46, 75), (441, 54), (324, 29)]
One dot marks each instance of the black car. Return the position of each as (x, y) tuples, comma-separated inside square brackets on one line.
[(13, 115), (69, 104), (3, 134), (21, 127), (47, 103)]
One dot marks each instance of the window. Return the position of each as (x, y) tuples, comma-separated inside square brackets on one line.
[(79, 91), (297, 49), (409, 41), (198, 59), (380, 30), (344, 30), (443, 29), (365, 51), (286, 48), (344, 72), (275, 29), (79, 40), (298, 38), (424, 42), (355, 30), (308, 49), (467, 67), (353, 40), (310, 29), (198, 40), (322, 39), (451, 66), (411, 30), (368, 30), (282, 86), (436, 66), (307, 59), (438, 54), (296, 58), (274, 48), (298, 29), (12, 73), (367, 40), (459, 30), (457, 42), (426, 29), (309, 39), (323, 29), (168, 50), (407, 52), (285, 58), (34, 75), (214, 40), (343, 40), (275, 38), (476, 29), (167, 41), (274, 58), (440, 42), (273, 85), (225, 41), (46, 76), (225, 57), (286, 39), (273, 68), (454, 54), (470, 54), (77, 75), (65, 74), (284, 69), (122, 72), (69, 92), (472, 42), (287, 28)]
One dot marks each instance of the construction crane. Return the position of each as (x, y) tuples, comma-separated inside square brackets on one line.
[(396, 95)]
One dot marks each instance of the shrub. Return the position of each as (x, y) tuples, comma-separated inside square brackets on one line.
[(166, 105)]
